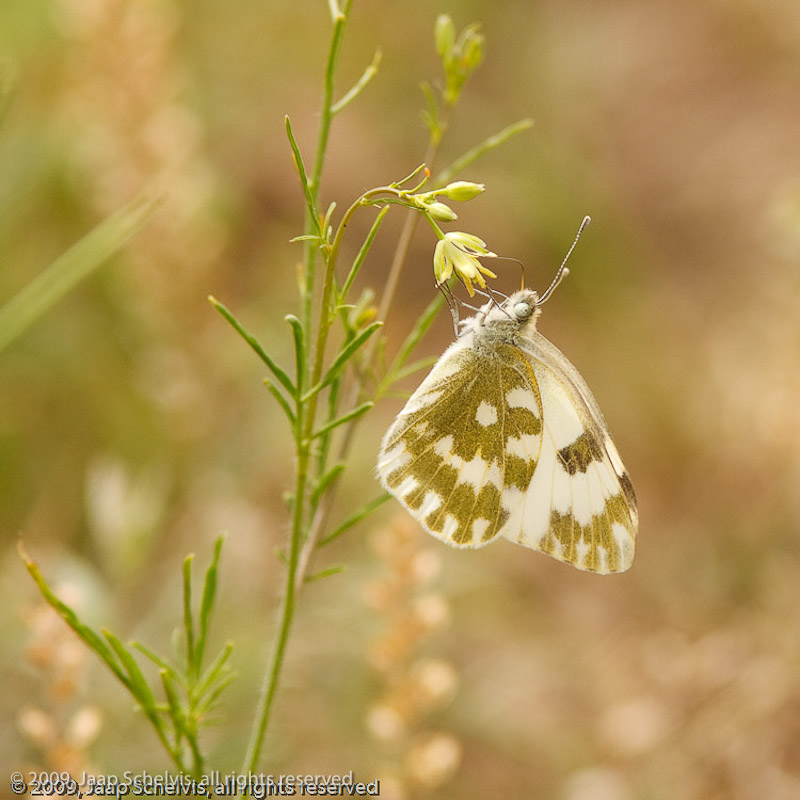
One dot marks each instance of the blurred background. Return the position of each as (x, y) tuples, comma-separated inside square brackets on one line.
[(134, 427)]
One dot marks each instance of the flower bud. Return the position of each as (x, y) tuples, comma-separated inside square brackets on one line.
[(472, 51), (441, 212), (462, 190), (444, 35)]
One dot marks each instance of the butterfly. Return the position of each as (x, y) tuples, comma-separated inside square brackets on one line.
[(504, 438)]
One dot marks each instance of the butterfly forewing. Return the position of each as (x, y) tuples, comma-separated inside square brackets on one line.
[(470, 431)]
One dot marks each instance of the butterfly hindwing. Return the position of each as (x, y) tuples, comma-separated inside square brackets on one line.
[(579, 507)]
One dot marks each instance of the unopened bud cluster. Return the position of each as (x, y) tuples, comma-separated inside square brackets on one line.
[(458, 191), (460, 55)]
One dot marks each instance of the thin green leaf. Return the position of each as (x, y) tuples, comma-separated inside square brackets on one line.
[(301, 171), (141, 691), (212, 674), (364, 511), (299, 350), (415, 335), (362, 253), (188, 621), (277, 371), (325, 481), (207, 603), (326, 573), (369, 73), (174, 708), (91, 638), (208, 700), (476, 152), (410, 369), (157, 660), (351, 415), (94, 249), (344, 356), (282, 402)]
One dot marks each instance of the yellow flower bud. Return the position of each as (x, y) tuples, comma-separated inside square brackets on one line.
[(441, 212), (444, 35), (462, 190)]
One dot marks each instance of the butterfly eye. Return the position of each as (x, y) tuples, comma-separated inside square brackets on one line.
[(522, 310)]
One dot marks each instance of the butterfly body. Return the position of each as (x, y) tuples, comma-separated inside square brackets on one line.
[(504, 438)]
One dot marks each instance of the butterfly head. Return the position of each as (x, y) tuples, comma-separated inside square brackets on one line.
[(523, 305), (503, 322)]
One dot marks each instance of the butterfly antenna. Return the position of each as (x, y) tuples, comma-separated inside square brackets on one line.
[(562, 270)]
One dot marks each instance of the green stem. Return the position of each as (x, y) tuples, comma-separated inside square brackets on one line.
[(286, 615), (326, 117), (304, 416)]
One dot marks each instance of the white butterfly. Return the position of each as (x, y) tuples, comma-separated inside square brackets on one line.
[(504, 438)]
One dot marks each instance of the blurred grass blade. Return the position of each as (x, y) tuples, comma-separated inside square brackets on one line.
[(412, 340), (69, 269), (480, 149), (410, 369)]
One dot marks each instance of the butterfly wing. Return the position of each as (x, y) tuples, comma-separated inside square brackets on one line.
[(469, 433), (579, 506)]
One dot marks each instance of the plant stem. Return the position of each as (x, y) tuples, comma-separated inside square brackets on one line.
[(286, 615), (326, 117), (304, 420)]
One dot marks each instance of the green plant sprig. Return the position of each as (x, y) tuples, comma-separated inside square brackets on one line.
[(189, 690)]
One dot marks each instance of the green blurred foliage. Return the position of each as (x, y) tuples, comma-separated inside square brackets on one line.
[(134, 428)]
